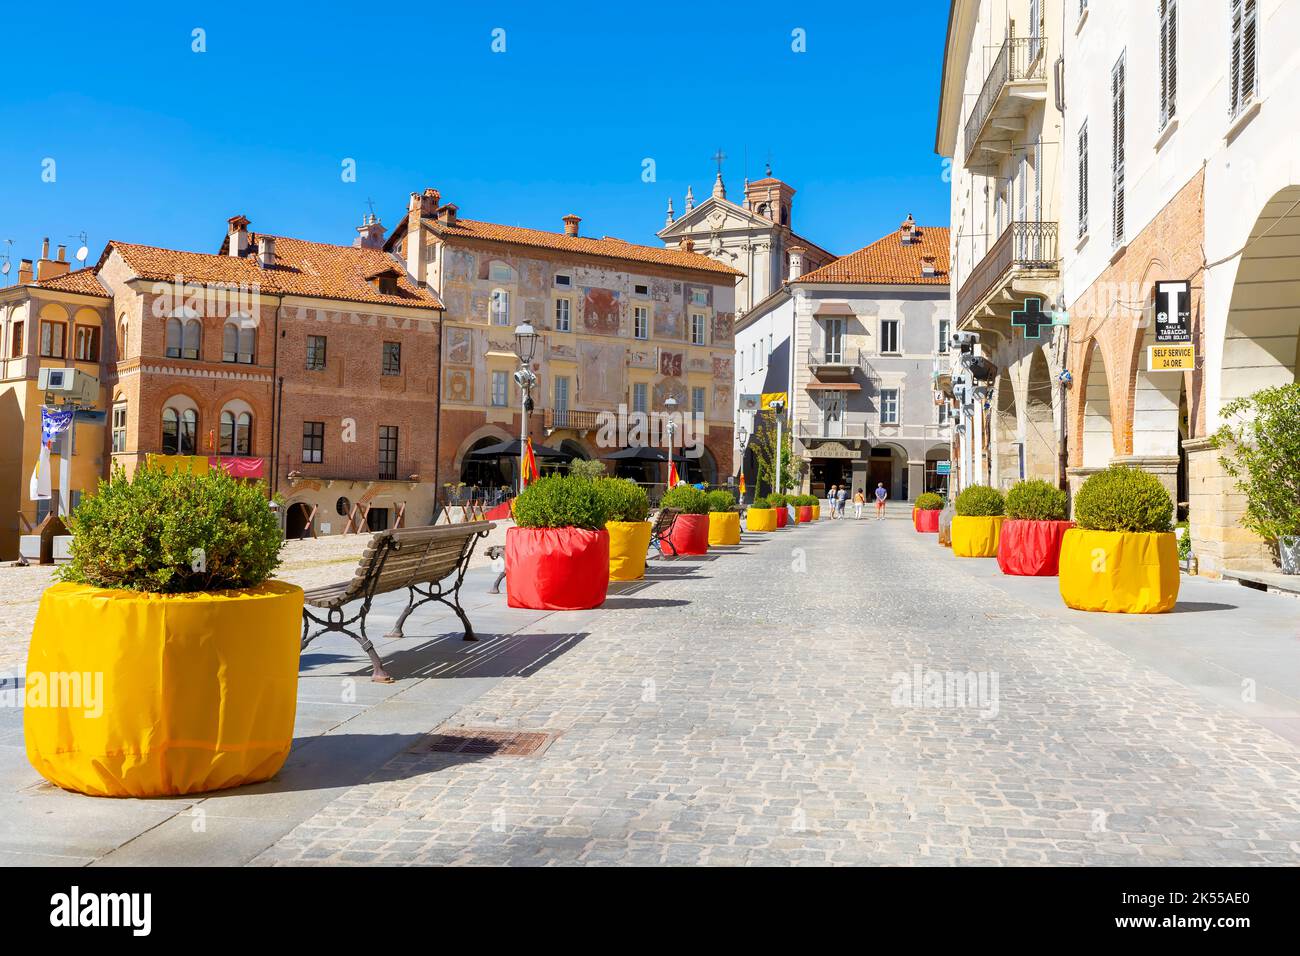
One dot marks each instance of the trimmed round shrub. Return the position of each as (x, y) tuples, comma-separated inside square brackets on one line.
[(624, 500), (687, 500), (1037, 500), (561, 501), (779, 500), (761, 502), (174, 533), (720, 500), (980, 501), (930, 502), (590, 469), (1123, 499)]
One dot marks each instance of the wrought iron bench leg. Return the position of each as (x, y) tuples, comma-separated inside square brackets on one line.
[(396, 632), (496, 585)]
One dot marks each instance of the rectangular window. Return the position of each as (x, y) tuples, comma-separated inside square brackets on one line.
[(944, 413), (1083, 179), (315, 353), (699, 297), (639, 400), (1243, 78), (87, 343), (119, 427), (52, 339), (563, 281), (697, 400), (377, 519), (563, 309), (945, 332), (1118, 118), (889, 406), (313, 442), (1035, 28), (16, 340), (500, 307), (392, 358), (697, 328), (641, 322), (889, 337), (561, 393), (500, 389), (1168, 60), (387, 452), (740, 362), (641, 289)]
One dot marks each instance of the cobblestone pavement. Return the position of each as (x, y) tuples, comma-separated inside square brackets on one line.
[(756, 708)]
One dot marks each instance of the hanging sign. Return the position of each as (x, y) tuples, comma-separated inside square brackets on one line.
[(750, 402), (1171, 358), (1173, 312), (770, 397)]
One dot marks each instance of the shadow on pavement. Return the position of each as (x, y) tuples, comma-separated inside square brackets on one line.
[(1187, 606), (633, 604), (492, 655)]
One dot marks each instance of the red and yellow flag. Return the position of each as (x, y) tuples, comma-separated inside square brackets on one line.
[(742, 484), (672, 474), (528, 465)]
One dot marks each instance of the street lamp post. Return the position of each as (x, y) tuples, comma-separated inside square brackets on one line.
[(525, 349), (670, 403)]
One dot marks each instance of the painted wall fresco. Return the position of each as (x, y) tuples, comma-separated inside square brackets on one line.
[(601, 311), (601, 374)]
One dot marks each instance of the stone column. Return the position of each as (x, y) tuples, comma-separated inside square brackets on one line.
[(1215, 508)]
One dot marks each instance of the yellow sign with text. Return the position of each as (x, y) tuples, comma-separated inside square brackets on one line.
[(770, 397), (1171, 358)]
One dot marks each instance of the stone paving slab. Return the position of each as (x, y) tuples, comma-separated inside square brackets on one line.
[(757, 709)]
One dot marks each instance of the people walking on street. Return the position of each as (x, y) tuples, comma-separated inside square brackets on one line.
[(841, 499), (858, 502), (881, 495), (830, 501)]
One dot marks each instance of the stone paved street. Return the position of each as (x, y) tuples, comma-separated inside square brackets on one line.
[(754, 707)]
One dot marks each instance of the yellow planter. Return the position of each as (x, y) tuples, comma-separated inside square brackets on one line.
[(724, 528), (817, 512), (760, 519), (628, 543), (1127, 572), (976, 536), (151, 695)]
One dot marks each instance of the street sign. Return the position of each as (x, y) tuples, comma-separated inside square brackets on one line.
[(1171, 358), (943, 468), (1173, 312), (750, 402), (770, 397)]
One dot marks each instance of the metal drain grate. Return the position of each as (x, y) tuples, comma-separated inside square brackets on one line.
[(483, 741)]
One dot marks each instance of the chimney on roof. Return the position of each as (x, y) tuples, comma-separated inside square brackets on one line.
[(796, 262), (266, 251), (370, 234), (907, 231), (571, 224), (47, 268), (237, 232), (429, 202), (447, 214), (929, 266), (25, 275)]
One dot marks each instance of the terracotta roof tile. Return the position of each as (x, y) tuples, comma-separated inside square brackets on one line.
[(579, 245), (314, 269), (889, 261), (83, 281)]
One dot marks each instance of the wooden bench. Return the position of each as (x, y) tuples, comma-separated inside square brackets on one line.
[(662, 528), (429, 562)]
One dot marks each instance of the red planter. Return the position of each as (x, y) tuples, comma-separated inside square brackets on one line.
[(805, 513), (926, 522), (690, 534), (556, 569), (782, 516), (1031, 548)]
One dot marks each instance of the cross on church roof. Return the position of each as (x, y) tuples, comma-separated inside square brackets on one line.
[(718, 157)]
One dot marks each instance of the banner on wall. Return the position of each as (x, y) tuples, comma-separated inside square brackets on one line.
[(1173, 312)]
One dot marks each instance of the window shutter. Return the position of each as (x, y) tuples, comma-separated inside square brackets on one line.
[(1171, 62), (1117, 151), (1234, 78), (1248, 73), (1083, 179)]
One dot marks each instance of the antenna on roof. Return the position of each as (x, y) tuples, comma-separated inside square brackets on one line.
[(82, 250), (4, 266)]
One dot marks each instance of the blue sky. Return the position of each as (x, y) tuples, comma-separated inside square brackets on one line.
[(158, 144)]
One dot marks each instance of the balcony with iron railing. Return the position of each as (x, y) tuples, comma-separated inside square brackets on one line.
[(1023, 249), (582, 421), (354, 468), (831, 359), (1016, 80)]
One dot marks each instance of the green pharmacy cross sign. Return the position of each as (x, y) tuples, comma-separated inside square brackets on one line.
[(1032, 318)]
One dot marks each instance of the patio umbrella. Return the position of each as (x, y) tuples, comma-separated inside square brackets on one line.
[(510, 449), (638, 453)]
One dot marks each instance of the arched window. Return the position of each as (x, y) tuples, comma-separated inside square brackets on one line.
[(121, 338), (238, 340), (180, 426), (192, 339), (173, 338), (236, 428)]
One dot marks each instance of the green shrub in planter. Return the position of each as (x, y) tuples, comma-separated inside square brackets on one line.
[(176, 533), (1123, 499), (930, 502), (1263, 455), (779, 500), (561, 501), (803, 500), (686, 499), (624, 500), (1036, 500), (761, 502), (980, 501), (720, 500)]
